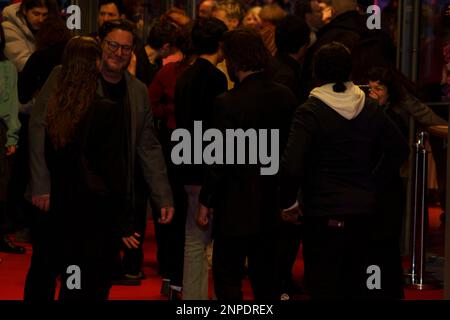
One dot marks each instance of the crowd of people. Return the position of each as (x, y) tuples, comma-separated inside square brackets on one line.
[(87, 125)]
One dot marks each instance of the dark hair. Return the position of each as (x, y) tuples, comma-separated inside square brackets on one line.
[(207, 34), (291, 34), (163, 32), (333, 64), (132, 10), (52, 31), (388, 78), (374, 49), (51, 5), (117, 24), (302, 7), (119, 5), (2, 44), (244, 50), (75, 90), (184, 40)]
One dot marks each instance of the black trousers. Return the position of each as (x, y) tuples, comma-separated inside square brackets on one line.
[(40, 283), (133, 259), (337, 254), (90, 243), (229, 254), (170, 238), (289, 245), (21, 215)]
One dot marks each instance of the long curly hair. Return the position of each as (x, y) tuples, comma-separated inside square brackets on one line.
[(75, 89)]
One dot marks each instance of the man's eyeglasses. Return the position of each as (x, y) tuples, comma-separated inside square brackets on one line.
[(114, 46)]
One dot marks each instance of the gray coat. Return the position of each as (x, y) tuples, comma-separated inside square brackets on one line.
[(422, 114), (144, 144)]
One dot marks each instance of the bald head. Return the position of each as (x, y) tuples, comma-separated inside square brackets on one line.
[(341, 6)]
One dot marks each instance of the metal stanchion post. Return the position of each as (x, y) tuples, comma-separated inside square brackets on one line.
[(419, 215)]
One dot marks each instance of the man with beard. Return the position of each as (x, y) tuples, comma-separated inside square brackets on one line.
[(143, 150)]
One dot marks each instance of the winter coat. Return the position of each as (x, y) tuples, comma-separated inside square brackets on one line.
[(20, 41)]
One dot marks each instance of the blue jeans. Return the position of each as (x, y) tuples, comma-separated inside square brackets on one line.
[(195, 273)]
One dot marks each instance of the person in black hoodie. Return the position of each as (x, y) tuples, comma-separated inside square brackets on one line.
[(341, 150)]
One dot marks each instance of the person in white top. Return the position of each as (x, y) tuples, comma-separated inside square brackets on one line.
[(21, 21)]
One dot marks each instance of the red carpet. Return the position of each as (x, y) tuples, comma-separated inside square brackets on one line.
[(13, 269)]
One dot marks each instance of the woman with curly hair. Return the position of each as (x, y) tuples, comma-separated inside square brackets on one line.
[(85, 154)]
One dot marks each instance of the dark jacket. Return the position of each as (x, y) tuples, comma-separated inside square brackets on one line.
[(244, 201), (145, 71), (37, 69), (288, 71), (369, 48), (344, 28), (144, 146), (98, 171), (337, 163), (195, 92)]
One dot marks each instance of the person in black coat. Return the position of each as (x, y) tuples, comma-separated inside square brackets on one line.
[(245, 202), (342, 149), (85, 154), (292, 37), (347, 25), (50, 43), (292, 40)]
